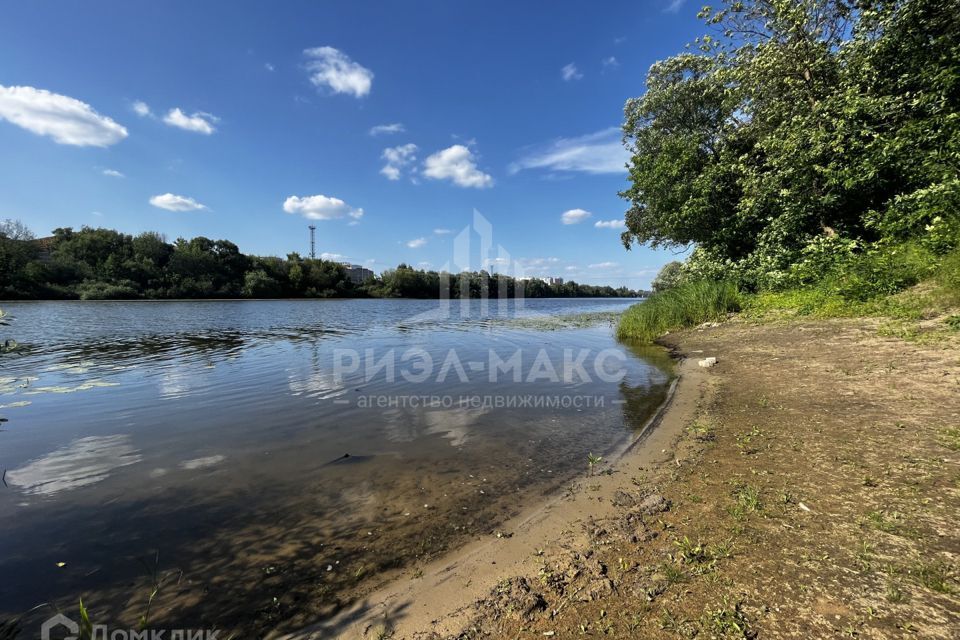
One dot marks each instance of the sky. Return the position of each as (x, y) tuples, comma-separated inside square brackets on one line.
[(385, 124)]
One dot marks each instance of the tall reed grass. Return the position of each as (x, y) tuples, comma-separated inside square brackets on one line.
[(684, 306)]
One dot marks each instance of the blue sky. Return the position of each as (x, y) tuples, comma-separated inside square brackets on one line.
[(250, 120)]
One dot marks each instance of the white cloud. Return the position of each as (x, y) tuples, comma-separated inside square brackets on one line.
[(674, 5), (424, 265), (397, 159), (570, 72), (538, 262), (172, 202), (269, 67), (335, 257), (142, 109), (600, 152), (610, 62), (320, 207), (113, 173), (198, 122), (574, 216), (604, 265), (65, 119), (416, 243), (609, 224), (334, 69), (457, 164), (442, 232), (396, 127), (537, 266)]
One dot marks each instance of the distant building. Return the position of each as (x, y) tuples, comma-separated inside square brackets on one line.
[(358, 274), (547, 280)]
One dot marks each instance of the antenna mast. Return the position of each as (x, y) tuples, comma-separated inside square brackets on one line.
[(313, 252)]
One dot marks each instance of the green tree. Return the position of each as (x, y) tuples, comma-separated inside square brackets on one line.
[(257, 284), (668, 277), (17, 249), (797, 121)]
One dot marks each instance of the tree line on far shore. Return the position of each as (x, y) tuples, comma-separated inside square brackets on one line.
[(103, 264)]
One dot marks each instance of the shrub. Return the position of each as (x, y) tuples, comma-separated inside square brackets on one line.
[(684, 306), (885, 271), (97, 290)]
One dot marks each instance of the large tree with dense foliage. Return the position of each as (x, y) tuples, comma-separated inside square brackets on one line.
[(800, 130)]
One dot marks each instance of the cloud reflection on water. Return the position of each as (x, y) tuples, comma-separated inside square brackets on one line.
[(81, 463)]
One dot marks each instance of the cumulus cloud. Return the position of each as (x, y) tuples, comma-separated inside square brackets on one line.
[(609, 224), (575, 216), (173, 202), (603, 265), (335, 70), (397, 159), (600, 152), (416, 243), (198, 122), (458, 165), (396, 127), (113, 173), (570, 72), (321, 207), (65, 119), (142, 109), (610, 63), (335, 257)]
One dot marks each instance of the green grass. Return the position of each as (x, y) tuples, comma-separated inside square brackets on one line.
[(884, 286), (935, 576), (746, 501), (685, 306), (889, 298)]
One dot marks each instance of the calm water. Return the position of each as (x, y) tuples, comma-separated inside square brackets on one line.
[(200, 446)]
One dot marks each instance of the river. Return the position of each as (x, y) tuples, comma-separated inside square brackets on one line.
[(262, 462)]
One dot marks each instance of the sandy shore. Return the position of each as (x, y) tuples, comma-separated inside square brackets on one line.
[(807, 486)]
